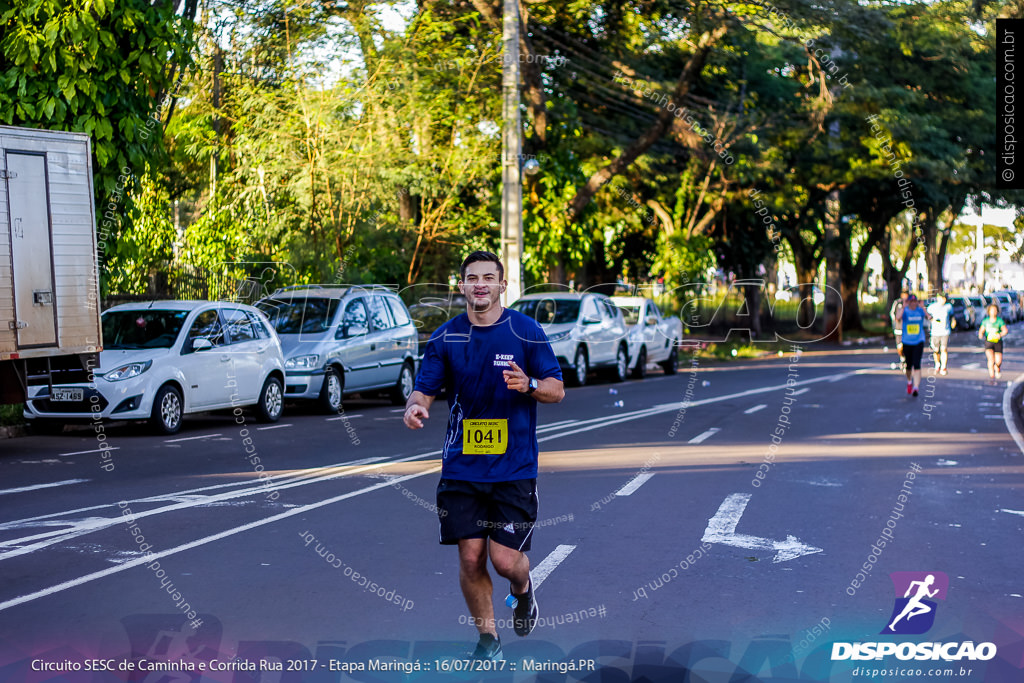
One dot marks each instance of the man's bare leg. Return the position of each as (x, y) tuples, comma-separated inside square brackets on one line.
[(476, 583), (513, 565)]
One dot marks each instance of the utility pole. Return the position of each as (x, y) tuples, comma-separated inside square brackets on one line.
[(511, 155), (979, 256)]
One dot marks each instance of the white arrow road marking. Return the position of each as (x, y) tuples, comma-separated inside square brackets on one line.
[(722, 529)]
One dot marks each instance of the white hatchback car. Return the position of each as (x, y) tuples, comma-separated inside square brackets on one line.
[(585, 331), (164, 359)]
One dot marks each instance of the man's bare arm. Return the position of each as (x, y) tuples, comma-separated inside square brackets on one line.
[(417, 409)]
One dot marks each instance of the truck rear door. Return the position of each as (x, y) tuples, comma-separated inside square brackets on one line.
[(31, 248)]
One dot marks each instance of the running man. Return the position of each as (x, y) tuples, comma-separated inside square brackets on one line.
[(992, 329), (914, 606), (897, 329), (495, 365), (943, 322), (911, 319)]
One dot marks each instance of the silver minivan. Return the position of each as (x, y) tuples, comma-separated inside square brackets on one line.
[(343, 339)]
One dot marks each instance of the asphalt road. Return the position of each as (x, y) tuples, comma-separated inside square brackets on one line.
[(660, 553)]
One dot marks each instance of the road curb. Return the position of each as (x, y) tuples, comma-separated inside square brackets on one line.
[(1013, 411), (12, 431)]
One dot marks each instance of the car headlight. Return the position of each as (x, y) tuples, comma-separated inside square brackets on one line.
[(127, 371), (559, 336), (303, 362)]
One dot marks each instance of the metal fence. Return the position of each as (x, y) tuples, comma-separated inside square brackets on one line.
[(187, 283)]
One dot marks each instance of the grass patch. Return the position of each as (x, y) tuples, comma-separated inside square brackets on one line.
[(11, 414)]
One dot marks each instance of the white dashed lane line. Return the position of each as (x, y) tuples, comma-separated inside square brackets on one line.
[(750, 411), (36, 487), (800, 391), (192, 438), (704, 435), (344, 417), (548, 564), (95, 450), (634, 483), (263, 429)]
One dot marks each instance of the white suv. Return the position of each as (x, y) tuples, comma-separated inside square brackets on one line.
[(585, 331), (164, 359)]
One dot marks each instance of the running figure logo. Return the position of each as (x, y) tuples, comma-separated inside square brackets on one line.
[(914, 612)]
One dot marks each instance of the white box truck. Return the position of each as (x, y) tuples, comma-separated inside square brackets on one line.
[(49, 284)]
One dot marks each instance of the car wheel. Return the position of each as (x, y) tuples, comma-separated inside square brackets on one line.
[(640, 371), (330, 393), (621, 368), (671, 366), (167, 410), (579, 367), (271, 401), (403, 387)]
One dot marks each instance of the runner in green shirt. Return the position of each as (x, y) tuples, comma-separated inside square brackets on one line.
[(991, 330)]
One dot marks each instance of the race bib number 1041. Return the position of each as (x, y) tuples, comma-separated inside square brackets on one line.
[(484, 437)]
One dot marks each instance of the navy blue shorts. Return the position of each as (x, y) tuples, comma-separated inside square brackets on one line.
[(913, 354), (503, 511)]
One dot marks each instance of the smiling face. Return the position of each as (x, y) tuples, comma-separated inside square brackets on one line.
[(482, 285)]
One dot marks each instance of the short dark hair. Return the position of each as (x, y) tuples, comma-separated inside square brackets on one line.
[(477, 256)]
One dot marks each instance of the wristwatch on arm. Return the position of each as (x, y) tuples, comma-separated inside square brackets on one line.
[(532, 386)]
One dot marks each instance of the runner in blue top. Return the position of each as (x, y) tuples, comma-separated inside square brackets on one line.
[(495, 365), (912, 318)]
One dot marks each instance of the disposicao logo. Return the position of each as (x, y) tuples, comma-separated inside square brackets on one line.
[(913, 613), (916, 592)]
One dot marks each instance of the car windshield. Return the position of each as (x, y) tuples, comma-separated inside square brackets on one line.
[(549, 311), (631, 312), (145, 329), (292, 316)]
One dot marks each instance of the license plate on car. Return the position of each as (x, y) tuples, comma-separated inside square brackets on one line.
[(67, 395)]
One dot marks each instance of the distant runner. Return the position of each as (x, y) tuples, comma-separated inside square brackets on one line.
[(495, 365), (911, 319), (897, 329), (943, 322), (992, 330)]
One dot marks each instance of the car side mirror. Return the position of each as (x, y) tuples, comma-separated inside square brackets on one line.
[(201, 344), (349, 331), (652, 320), (591, 320)]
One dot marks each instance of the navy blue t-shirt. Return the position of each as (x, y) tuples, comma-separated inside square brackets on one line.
[(468, 361)]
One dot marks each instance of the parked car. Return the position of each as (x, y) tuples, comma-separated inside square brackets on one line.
[(979, 303), (340, 340), (1015, 303), (963, 312), (162, 360), (586, 331), (1006, 310), (654, 336)]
